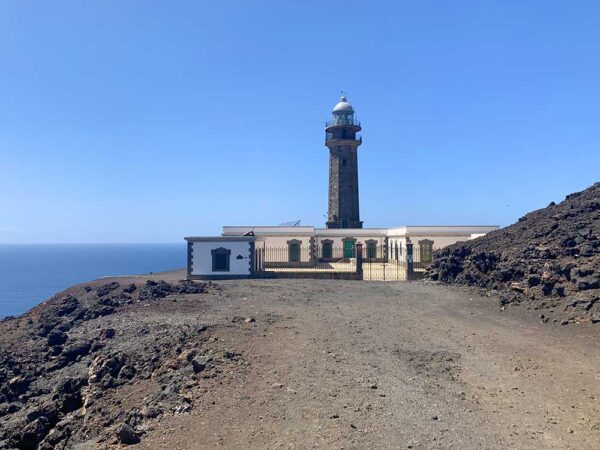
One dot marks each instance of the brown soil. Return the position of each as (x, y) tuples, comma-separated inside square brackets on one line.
[(308, 363)]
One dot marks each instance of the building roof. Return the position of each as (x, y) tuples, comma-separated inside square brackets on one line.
[(407, 230)]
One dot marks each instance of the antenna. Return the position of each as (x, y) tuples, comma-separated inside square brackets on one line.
[(293, 223)]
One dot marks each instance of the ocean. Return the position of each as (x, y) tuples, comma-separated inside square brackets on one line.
[(29, 274)]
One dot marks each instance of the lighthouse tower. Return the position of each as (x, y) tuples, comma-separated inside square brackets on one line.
[(342, 141)]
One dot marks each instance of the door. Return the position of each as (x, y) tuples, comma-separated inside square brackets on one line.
[(327, 250), (372, 250), (348, 249), (294, 255)]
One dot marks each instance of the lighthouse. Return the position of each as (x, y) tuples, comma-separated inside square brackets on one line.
[(343, 142)]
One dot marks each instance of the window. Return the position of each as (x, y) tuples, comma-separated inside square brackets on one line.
[(425, 250), (327, 249), (343, 161), (349, 248), (294, 250), (220, 259), (371, 249)]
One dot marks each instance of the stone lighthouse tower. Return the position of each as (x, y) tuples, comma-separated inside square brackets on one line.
[(342, 141)]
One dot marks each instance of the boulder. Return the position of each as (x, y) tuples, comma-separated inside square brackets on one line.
[(127, 435), (199, 363), (67, 305), (18, 385), (67, 394), (126, 373), (56, 337), (107, 288), (75, 349), (33, 434), (130, 288)]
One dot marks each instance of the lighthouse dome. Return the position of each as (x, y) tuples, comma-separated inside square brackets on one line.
[(343, 106)]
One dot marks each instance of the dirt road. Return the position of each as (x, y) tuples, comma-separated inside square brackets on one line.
[(331, 364)]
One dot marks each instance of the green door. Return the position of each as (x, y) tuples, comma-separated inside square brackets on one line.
[(294, 255), (348, 249)]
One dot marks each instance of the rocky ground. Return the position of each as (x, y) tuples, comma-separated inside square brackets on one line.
[(549, 260), (293, 364)]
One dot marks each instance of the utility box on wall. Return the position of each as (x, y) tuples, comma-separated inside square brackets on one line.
[(218, 258)]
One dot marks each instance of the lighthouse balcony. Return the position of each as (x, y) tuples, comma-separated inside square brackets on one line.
[(329, 137), (343, 121)]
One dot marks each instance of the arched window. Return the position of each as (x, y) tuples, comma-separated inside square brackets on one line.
[(349, 244), (425, 250), (327, 249), (294, 250), (220, 259), (371, 248)]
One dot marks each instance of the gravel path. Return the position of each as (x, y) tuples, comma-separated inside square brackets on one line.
[(343, 364)]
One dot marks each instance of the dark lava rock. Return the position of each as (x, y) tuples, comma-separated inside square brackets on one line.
[(47, 410), (127, 372), (153, 290), (127, 435), (160, 289), (56, 337), (18, 384), (229, 354), (551, 257), (107, 333), (75, 349), (98, 310), (107, 288), (67, 305), (8, 408), (199, 363), (33, 434), (104, 368), (129, 288), (67, 394), (190, 287)]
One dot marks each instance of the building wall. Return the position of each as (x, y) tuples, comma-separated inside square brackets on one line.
[(275, 240), (202, 258), (338, 241), (276, 248), (439, 241)]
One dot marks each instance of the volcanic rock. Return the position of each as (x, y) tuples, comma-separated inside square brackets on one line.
[(56, 337), (107, 288), (550, 257), (127, 435)]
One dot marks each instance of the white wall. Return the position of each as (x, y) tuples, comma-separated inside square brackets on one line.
[(202, 257), (440, 241)]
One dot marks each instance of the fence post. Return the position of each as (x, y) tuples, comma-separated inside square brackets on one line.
[(409, 260), (359, 261), (386, 250)]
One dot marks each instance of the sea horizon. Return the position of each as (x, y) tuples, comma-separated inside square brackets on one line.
[(30, 273)]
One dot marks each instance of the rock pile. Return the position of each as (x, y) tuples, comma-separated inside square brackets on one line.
[(62, 366), (549, 258)]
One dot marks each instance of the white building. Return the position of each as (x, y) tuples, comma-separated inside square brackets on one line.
[(291, 250)]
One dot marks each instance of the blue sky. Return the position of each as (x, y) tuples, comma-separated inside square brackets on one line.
[(139, 121)]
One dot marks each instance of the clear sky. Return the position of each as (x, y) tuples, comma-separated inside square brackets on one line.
[(139, 121)]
